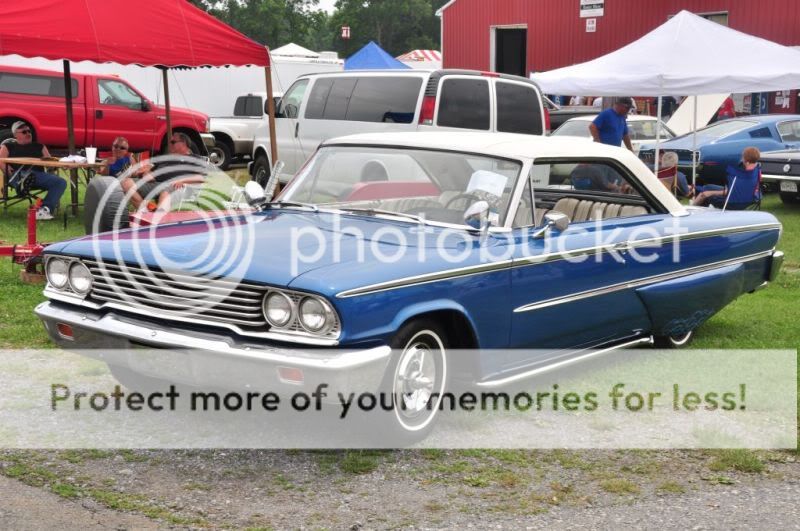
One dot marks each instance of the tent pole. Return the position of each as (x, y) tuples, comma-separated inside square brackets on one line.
[(73, 173), (658, 136), (166, 105), (694, 145), (273, 140)]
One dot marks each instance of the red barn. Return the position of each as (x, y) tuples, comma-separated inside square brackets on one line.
[(523, 36)]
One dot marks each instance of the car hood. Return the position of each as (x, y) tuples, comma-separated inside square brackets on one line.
[(281, 248)]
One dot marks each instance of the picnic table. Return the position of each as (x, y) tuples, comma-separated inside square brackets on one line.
[(88, 169)]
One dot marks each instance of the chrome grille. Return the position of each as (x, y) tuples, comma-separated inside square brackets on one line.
[(178, 294)]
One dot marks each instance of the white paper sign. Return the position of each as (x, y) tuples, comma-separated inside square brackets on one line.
[(591, 25), (540, 175), (487, 181), (592, 8)]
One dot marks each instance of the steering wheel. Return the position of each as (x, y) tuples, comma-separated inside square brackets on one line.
[(108, 100), (463, 195)]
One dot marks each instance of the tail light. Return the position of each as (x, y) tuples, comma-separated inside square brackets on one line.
[(426, 113)]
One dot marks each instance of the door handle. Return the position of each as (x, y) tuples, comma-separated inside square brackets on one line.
[(98, 114), (296, 129)]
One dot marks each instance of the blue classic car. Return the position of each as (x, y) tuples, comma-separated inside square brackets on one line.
[(720, 144), (396, 261)]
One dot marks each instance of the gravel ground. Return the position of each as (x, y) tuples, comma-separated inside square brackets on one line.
[(428, 489)]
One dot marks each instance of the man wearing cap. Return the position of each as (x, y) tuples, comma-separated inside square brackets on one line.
[(611, 126), (23, 146)]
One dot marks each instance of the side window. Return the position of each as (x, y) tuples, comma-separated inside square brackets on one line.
[(384, 99), (35, 85), (112, 92), (464, 103), (590, 176), (524, 216), (290, 103), (317, 99), (518, 109), (762, 132), (339, 99), (789, 131)]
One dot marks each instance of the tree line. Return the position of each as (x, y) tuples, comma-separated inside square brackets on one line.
[(397, 26)]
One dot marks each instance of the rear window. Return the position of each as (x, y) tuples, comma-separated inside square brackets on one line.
[(35, 85), (248, 106), (518, 109), (464, 103), (365, 99)]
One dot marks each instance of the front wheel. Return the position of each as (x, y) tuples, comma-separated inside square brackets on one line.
[(223, 153), (261, 170), (416, 378)]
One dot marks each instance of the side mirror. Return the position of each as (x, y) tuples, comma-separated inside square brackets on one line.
[(145, 106), (272, 182), (557, 220), (477, 217), (254, 194), (553, 220)]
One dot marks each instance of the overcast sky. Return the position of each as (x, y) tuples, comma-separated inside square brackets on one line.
[(327, 5)]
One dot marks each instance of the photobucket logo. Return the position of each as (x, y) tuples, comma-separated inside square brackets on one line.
[(345, 240), (190, 248)]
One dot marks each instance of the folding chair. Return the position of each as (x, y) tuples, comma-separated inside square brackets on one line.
[(12, 195)]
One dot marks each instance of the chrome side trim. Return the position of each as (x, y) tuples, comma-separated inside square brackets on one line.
[(771, 177), (553, 366), (542, 259), (50, 293), (638, 283)]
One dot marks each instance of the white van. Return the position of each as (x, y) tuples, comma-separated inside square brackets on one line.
[(322, 106)]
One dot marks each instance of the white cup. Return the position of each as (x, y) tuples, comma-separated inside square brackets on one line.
[(91, 155)]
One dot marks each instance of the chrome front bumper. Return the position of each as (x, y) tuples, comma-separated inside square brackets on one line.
[(206, 359), (208, 139)]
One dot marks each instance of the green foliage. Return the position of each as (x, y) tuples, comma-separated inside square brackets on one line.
[(396, 25)]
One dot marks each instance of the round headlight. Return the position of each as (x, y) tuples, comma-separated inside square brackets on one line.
[(315, 315), (80, 279), (278, 309), (57, 273)]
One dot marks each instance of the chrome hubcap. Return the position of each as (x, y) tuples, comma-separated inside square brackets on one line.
[(416, 375)]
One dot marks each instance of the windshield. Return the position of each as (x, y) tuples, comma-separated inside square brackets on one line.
[(637, 129), (573, 128), (435, 185), (723, 128)]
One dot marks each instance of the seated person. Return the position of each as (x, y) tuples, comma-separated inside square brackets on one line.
[(597, 177), (743, 188), (120, 159), (24, 146), (669, 168), (167, 176)]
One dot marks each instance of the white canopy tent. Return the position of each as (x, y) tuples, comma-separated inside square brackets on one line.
[(294, 50), (686, 55)]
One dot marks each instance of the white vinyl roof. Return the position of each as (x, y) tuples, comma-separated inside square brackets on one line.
[(687, 55)]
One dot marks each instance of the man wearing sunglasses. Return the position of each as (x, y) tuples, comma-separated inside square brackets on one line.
[(26, 177), (181, 168)]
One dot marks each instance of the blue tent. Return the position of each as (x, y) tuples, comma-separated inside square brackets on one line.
[(372, 57)]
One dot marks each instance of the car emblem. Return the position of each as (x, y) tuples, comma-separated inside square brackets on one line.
[(786, 168)]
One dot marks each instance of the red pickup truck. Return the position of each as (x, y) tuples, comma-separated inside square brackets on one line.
[(104, 107)]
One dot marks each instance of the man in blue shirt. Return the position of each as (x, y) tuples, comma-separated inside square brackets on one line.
[(611, 126)]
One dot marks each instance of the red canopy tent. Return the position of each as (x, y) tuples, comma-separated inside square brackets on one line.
[(161, 33)]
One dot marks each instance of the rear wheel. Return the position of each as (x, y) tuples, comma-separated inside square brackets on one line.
[(678, 341), (104, 205), (790, 198)]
